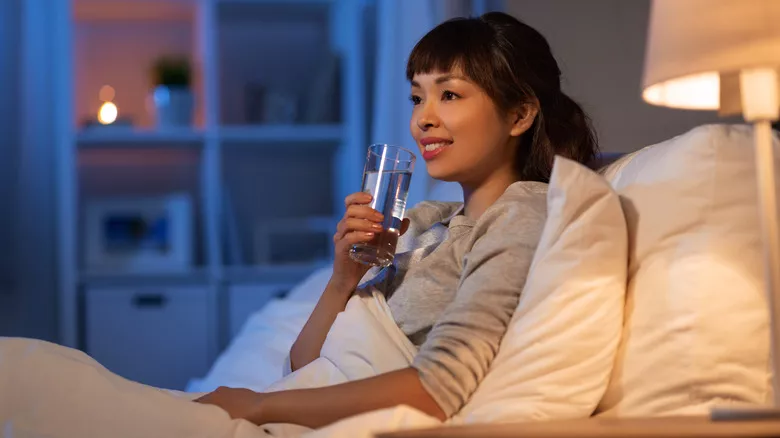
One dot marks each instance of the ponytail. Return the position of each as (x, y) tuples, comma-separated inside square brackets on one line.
[(561, 128)]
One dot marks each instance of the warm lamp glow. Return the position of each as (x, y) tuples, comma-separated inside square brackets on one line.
[(759, 92), (107, 113), (698, 92)]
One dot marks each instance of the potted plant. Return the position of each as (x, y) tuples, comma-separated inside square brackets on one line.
[(172, 96)]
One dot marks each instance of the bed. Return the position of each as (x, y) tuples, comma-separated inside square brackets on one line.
[(255, 357)]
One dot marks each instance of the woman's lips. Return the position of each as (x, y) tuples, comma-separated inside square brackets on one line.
[(431, 151)]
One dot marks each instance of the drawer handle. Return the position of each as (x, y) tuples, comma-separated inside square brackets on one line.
[(147, 301)]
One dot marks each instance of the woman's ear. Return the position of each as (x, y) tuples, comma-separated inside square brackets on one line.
[(522, 118)]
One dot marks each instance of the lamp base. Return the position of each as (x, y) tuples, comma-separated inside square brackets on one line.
[(752, 413)]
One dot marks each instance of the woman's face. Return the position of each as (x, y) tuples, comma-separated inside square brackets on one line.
[(460, 132)]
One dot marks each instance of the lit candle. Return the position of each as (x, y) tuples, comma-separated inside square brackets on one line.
[(108, 111)]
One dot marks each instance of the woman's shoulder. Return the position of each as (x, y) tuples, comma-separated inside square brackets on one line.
[(520, 213), (524, 191), (522, 195)]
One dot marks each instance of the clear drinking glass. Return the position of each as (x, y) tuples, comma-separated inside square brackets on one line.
[(386, 177)]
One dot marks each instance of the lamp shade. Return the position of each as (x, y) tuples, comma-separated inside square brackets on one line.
[(696, 50)]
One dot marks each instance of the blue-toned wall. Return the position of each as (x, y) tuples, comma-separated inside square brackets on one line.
[(28, 283), (9, 144)]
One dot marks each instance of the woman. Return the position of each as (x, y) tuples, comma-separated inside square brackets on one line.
[(489, 114)]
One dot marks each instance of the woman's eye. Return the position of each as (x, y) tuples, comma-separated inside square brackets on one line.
[(415, 99), (448, 95)]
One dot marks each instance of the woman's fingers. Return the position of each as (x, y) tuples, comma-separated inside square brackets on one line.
[(353, 237), (354, 224), (357, 237), (360, 222), (364, 212), (357, 198)]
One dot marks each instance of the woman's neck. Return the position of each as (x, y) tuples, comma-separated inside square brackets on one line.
[(478, 197)]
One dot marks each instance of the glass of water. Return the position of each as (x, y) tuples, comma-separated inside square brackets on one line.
[(386, 178)]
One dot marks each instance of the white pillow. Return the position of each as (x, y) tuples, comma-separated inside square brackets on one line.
[(555, 359), (696, 323), (312, 286)]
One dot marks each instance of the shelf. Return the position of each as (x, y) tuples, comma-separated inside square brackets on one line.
[(281, 273), (113, 278), (228, 159), (106, 137), (272, 9), (103, 137), (276, 2), (309, 134)]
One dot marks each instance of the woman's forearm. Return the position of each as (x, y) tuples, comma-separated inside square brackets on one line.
[(322, 406), (309, 342)]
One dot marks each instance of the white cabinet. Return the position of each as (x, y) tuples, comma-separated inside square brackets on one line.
[(156, 336), (244, 167)]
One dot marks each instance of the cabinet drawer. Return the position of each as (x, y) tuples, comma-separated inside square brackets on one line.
[(156, 336)]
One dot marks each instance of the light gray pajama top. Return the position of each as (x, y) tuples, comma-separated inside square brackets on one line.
[(455, 283)]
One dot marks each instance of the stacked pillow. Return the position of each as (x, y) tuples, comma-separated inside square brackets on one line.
[(696, 324), (696, 331)]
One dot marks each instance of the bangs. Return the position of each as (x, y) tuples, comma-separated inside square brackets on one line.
[(461, 43)]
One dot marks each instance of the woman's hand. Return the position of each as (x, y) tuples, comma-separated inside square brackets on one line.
[(237, 402), (318, 407), (360, 224)]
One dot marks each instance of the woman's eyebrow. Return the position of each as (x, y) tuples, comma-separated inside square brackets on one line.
[(442, 79), (446, 78)]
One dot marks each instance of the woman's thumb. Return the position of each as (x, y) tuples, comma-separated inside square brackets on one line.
[(405, 225)]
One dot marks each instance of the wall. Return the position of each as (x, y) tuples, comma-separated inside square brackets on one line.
[(9, 57), (28, 300), (599, 45)]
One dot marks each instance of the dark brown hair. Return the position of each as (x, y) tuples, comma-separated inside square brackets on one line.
[(513, 63)]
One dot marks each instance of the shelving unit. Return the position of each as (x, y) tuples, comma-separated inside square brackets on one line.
[(238, 172), (123, 137), (89, 278), (311, 135)]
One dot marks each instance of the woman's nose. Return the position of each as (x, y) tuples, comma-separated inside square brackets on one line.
[(427, 118)]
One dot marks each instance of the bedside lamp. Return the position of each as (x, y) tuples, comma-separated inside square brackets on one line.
[(725, 55)]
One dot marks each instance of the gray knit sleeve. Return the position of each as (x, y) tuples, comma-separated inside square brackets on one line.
[(462, 344)]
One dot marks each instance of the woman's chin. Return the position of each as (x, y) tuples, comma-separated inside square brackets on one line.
[(437, 174), (442, 173)]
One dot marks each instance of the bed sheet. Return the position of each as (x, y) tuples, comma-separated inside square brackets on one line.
[(255, 357)]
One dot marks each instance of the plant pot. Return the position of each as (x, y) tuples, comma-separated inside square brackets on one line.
[(173, 106)]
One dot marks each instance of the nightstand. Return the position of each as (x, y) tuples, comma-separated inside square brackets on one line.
[(688, 427)]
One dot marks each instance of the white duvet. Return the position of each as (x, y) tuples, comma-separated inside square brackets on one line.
[(256, 357), (53, 391)]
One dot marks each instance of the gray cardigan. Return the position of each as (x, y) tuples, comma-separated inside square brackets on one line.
[(455, 283)]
